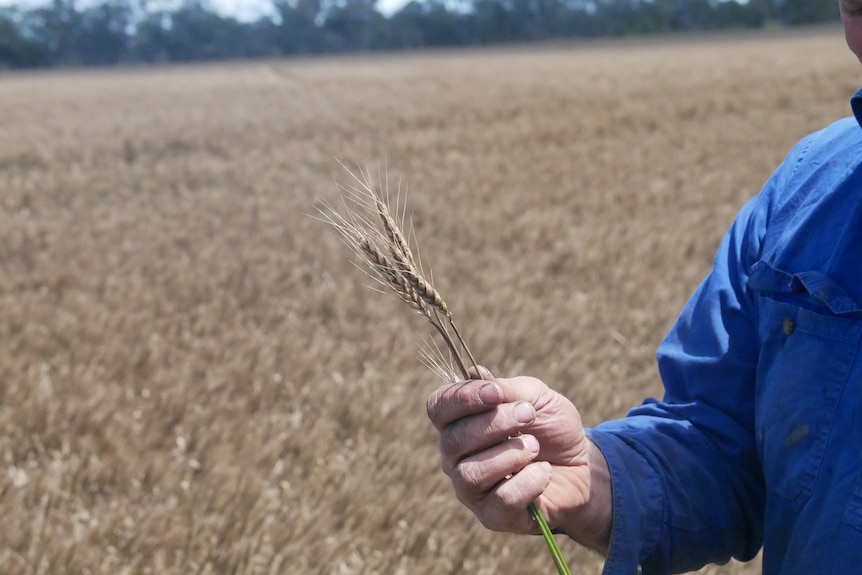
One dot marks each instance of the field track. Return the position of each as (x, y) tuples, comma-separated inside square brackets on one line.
[(193, 377)]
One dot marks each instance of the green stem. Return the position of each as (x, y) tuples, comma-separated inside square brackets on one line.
[(559, 561)]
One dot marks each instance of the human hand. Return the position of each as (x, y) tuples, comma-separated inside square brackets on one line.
[(505, 443)]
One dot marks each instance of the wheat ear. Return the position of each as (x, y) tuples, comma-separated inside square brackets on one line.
[(391, 262)]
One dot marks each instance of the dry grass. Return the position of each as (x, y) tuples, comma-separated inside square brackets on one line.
[(192, 379)]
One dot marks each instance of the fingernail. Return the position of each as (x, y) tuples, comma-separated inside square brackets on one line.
[(530, 443), (489, 394), (524, 412), (485, 373)]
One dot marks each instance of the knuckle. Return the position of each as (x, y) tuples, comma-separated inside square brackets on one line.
[(510, 497), (432, 405), (494, 517), (440, 403), (466, 477), (445, 467), (451, 441), (448, 464)]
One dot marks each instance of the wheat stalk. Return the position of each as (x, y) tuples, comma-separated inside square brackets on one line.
[(368, 228)]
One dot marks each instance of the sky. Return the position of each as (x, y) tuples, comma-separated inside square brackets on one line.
[(390, 6), (240, 9), (245, 8)]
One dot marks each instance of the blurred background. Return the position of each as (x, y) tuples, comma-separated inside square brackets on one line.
[(194, 376)]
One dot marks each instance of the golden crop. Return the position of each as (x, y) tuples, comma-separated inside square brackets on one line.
[(193, 378)]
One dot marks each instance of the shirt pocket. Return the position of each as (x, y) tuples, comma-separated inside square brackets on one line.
[(808, 332)]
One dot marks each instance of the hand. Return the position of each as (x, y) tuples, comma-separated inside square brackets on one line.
[(507, 442)]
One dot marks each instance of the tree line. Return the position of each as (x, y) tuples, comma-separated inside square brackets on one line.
[(110, 32)]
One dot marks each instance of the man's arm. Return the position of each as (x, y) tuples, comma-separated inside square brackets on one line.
[(674, 485), (685, 472)]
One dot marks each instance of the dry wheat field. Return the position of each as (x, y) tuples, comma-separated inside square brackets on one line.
[(195, 378)]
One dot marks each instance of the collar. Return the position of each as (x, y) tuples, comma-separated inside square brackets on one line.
[(856, 105)]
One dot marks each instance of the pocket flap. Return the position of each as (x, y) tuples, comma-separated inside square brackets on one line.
[(813, 288)]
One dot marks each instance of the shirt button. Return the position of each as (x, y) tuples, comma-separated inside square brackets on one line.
[(788, 326)]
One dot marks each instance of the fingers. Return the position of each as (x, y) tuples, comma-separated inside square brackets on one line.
[(498, 484), (469, 435), (505, 507), (493, 432), (452, 402), (474, 476)]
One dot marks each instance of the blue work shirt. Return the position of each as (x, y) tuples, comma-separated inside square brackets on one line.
[(758, 440)]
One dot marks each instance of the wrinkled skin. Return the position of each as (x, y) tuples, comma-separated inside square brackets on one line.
[(507, 442)]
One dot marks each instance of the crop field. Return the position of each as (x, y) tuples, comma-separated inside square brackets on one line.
[(196, 379)]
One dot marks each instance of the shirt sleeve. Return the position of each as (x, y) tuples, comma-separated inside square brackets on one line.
[(686, 478)]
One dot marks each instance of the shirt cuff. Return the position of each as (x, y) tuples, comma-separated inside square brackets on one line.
[(638, 505)]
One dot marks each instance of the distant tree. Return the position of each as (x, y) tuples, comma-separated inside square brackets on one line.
[(494, 22), (151, 37), (558, 18), (17, 51), (796, 12), (300, 29), (760, 11), (54, 27), (429, 23), (409, 26), (732, 14), (191, 32), (692, 15), (104, 33), (353, 24)]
